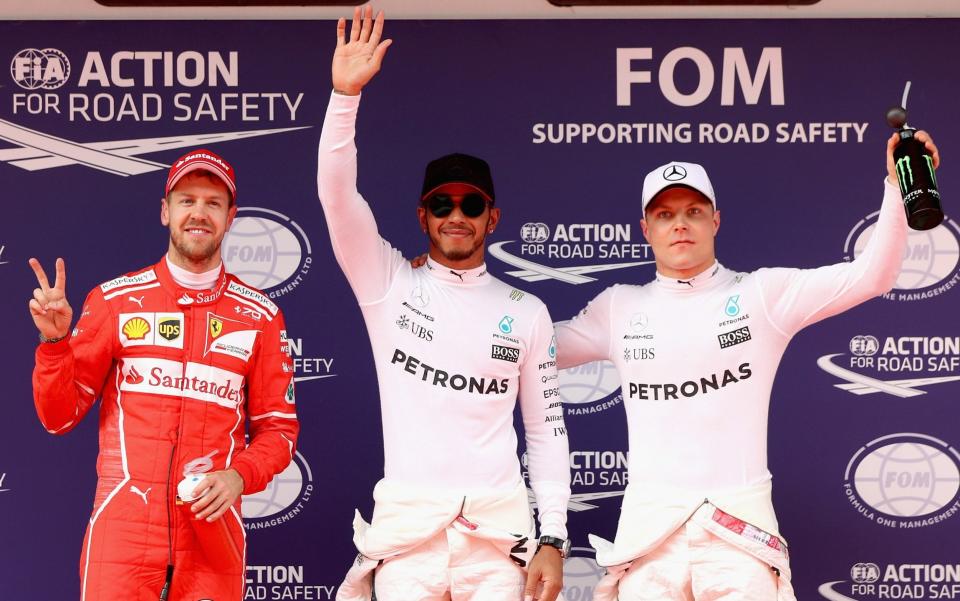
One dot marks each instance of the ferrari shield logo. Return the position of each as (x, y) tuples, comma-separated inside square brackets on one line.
[(216, 327)]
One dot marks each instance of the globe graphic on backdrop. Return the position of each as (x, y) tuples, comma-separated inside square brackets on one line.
[(262, 252), (907, 479), (589, 382), (580, 575), (930, 256), (282, 492)]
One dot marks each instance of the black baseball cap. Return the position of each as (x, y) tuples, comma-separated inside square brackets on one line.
[(460, 169)]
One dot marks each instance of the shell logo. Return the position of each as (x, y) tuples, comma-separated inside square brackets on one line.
[(136, 328)]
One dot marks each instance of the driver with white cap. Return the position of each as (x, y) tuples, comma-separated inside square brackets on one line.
[(697, 350)]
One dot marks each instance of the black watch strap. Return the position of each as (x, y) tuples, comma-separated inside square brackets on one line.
[(560, 544)]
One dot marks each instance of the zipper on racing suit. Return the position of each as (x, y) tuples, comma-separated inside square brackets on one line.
[(171, 501)]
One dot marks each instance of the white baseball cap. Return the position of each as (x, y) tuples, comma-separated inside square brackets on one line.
[(676, 173)]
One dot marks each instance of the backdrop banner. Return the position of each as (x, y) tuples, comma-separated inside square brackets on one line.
[(787, 117)]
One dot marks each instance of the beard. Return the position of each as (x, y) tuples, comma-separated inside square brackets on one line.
[(194, 252), (456, 254)]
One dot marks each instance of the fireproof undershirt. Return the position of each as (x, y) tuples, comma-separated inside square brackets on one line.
[(193, 281), (453, 349)]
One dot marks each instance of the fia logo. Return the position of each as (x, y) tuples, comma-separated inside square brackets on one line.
[(33, 68), (3, 476), (2, 248), (506, 324), (732, 308)]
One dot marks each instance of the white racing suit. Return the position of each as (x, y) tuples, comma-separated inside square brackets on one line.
[(456, 351), (697, 360), (693, 547), (476, 546)]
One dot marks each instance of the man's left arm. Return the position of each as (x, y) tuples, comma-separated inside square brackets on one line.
[(273, 427), (796, 298), (548, 453)]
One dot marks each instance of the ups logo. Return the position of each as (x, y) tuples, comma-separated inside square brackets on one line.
[(169, 328)]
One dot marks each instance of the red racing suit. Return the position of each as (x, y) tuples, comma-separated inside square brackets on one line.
[(179, 372)]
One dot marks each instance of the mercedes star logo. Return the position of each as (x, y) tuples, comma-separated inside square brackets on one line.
[(420, 296), (674, 173)]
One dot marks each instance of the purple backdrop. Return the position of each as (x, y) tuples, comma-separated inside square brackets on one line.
[(786, 115)]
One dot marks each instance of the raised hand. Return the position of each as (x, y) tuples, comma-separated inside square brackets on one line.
[(49, 307), (356, 61), (921, 136)]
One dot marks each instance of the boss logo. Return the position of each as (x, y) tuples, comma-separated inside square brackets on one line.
[(505, 353), (735, 337)]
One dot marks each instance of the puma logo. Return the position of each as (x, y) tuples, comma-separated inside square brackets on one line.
[(139, 301), (143, 495)]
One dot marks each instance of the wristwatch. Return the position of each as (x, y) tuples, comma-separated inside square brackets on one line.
[(51, 340), (560, 544)]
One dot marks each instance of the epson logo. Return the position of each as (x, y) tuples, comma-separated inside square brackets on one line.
[(505, 353), (735, 337)]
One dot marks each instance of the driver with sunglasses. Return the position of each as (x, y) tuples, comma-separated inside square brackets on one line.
[(453, 348)]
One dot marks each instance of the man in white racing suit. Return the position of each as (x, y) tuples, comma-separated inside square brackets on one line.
[(697, 350), (453, 348)]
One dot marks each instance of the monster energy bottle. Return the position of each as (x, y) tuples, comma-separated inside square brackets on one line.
[(918, 182)]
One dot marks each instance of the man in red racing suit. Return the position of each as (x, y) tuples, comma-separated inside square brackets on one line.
[(179, 369)]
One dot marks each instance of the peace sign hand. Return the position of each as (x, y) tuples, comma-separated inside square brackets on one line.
[(356, 61), (49, 307)]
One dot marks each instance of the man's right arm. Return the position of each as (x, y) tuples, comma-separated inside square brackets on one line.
[(366, 259), (586, 337), (68, 375)]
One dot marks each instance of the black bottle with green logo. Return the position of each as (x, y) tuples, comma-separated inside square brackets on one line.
[(914, 168)]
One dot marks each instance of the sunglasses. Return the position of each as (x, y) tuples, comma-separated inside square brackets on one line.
[(471, 205)]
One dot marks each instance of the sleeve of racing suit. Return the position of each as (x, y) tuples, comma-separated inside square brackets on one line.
[(271, 411), (586, 337), (69, 375), (368, 261), (548, 450), (796, 298)]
